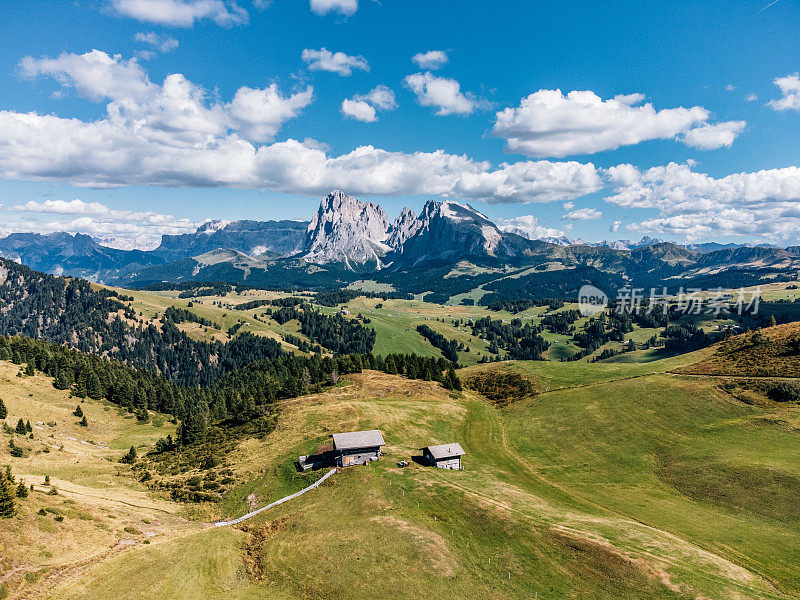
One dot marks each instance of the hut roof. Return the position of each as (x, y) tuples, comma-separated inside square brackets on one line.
[(446, 451), (358, 439)]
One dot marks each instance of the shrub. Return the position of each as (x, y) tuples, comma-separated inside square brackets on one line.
[(785, 392)]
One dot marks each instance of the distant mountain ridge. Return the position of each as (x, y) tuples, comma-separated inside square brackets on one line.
[(349, 239)]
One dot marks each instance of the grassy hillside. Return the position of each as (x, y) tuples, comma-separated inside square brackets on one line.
[(770, 352), (93, 507), (615, 481)]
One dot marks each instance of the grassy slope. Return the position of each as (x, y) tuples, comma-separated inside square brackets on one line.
[(97, 497), (581, 492)]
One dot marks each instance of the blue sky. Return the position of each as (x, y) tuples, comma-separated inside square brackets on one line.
[(126, 119)]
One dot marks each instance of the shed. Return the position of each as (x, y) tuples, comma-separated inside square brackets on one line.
[(444, 456), (357, 447)]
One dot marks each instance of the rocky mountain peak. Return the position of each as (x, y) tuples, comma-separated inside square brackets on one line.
[(405, 226), (346, 229)]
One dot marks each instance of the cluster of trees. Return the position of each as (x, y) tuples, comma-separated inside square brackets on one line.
[(337, 297), (335, 333), (517, 306), (181, 315), (449, 348), (290, 301), (685, 338), (560, 322), (520, 341)]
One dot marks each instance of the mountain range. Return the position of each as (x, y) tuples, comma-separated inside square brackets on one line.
[(348, 240)]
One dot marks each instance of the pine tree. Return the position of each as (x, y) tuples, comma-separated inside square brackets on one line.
[(83, 422), (130, 457), (30, 370), (62, 380), (22, 490), (8, 493), (78, 412), (3, 410), (21, 429), (772, 322), (28, 428)]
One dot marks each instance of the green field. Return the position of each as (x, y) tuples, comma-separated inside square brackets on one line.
[(620, 482)]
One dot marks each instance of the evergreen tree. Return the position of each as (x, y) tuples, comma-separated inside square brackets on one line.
[(28, 428), (21, 429), (62, 380), (78, 412), (142, 415), (83, 422), (30, 370), (3, 410), (22, 490), (8, 493), (451, 380), (130, 457), (772, 322)]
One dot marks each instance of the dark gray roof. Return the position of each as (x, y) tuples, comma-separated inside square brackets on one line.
[(358, 439), (446, 451)]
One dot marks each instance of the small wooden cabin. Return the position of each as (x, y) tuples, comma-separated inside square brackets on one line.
[(444, 456), (357, 447)]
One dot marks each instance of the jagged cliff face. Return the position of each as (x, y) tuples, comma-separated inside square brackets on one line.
[(451, 231), (348, 230), (406, 226)]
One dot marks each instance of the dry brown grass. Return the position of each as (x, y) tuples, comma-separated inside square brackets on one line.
[(770, 352)]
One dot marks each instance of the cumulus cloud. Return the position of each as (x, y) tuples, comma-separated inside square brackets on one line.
[(359, 110), (711, 137), (182, 13), (528, 227), (344, 7), (430, 60), (363, 107), (174, 113), (163, 43), (440, 92), (615, 226), (117, 228), (333, 62), (694, 205), (112, 152), (751, 98), (583, 214), (790, 93), (548, 123)]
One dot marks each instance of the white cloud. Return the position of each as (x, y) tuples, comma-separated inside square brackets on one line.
[(711, 137), (730, 87), (528, 226), (790, 93), (430, 60), (615, 226), (548, 123), (695, 205), (359, 110), (568, 205), (117, 228), (751, 98), (334, 62), (363, 107), (583, 214), (109, 153), (174, 113), (182, 13), (345, 7), (440, 92), (173, 135), (162, 43)]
